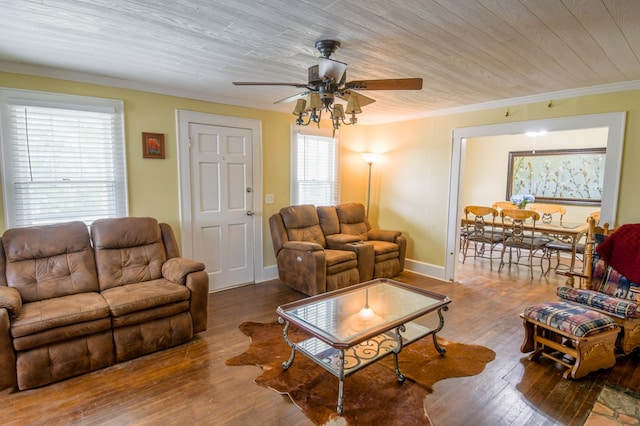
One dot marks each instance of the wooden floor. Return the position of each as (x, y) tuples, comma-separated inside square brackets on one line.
[(190, 384)]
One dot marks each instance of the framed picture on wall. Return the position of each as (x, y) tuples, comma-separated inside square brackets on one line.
[(152, 145), (563, 176)]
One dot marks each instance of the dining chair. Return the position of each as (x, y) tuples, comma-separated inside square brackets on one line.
[(480, 230), (558, 246), (549, 212), (519, 226)]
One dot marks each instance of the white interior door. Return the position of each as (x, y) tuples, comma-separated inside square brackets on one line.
[(222, 203)]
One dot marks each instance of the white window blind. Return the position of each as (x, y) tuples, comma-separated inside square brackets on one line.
[(315, 169), (62, 162)]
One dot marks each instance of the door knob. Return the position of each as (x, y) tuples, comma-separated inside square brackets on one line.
[(250, 213)]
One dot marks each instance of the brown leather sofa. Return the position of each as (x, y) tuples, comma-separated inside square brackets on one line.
[(330, 247), (74, 301)]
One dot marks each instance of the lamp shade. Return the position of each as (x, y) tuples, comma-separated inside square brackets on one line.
[(314, 101), (338, 111), (370, 157), (353, 105), (300, 107)]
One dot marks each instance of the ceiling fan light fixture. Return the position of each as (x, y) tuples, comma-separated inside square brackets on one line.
[(300, 108), (314, 101), (353, 105), (328, 80), (338, 111)]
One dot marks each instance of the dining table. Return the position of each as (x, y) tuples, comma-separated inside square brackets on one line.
[(569, 232)]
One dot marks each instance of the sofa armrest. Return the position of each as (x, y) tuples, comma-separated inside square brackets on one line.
[(176, 269), (11, 300), (302, 246), (383, 235), (198, 284), (336, 241), (7, 355)]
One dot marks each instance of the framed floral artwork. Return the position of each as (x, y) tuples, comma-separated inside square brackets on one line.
[(563, 176), (152, 145)]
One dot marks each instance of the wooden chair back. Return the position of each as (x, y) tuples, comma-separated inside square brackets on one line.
[(479, 220), (513, 224), (596, 216), (548, 210), (594, 229)]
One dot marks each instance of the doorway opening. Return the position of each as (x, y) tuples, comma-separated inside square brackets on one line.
[(613, 122)]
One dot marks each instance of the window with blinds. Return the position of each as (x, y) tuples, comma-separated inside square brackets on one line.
[(314, 169), (63, 159)]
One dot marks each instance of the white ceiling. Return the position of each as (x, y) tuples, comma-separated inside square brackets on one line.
[(467, 51)]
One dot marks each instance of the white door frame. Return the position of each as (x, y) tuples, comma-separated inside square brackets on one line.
[(183, 118), (615, 121)]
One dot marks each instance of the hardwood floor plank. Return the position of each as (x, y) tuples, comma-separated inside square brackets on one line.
[(190, 384)]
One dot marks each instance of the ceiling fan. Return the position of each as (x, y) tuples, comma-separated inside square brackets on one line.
[(326, 81)]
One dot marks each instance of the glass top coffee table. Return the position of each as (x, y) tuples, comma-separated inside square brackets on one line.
[(353, 327)]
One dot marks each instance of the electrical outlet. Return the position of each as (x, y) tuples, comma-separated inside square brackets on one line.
[(269, 198)]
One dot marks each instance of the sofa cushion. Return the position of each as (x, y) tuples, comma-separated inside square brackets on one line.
[(302, 224), (47, 314), (130, 298), (384, 247), (49, 261), (328, 220), (61, 334), (128, 250), (613, 283), (352, 219), (338, 256), (576, 320), (595, 299)]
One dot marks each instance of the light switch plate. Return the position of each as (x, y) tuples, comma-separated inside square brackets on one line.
[(269, 198)]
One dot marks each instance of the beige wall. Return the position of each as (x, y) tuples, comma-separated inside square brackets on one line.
[(487, 158), (409, 184), (153, 184)]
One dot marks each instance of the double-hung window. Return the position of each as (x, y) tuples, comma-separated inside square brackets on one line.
[(315, 167), (62, 158)]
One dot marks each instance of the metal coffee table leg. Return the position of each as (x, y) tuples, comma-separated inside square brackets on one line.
[(285, 334), (340, 382)]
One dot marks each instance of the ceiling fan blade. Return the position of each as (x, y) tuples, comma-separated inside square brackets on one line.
[(331, 70), (292, 98), (364, 100), (386, 84), (265, 83)]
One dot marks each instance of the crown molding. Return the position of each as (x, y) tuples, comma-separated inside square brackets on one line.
[(38, 71)]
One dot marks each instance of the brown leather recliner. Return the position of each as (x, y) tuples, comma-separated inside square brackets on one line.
[(390, 247), (69, 305), (55, 322), (305, 262), (155, 301)]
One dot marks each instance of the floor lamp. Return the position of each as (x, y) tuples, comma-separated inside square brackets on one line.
[(370, 158)]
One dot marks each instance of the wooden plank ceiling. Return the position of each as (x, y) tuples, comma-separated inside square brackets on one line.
[(467, 51)]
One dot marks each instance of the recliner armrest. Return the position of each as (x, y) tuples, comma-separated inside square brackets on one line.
[(11, 300), (337, 241), (383, 235), (302, 246), (176, 269)]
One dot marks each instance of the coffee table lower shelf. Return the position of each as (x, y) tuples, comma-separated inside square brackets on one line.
[(344, 362)]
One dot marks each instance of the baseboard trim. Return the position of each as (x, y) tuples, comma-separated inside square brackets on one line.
[(433, 271), (426, 269)]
